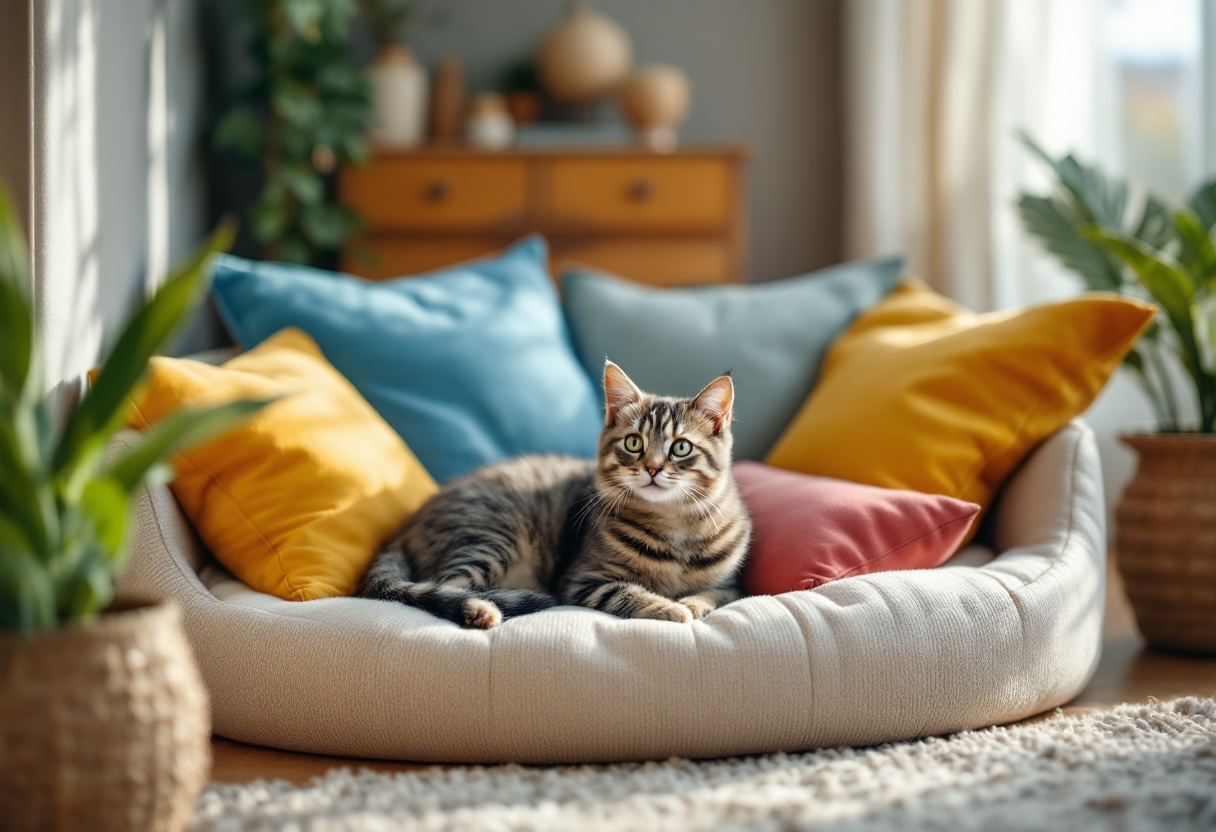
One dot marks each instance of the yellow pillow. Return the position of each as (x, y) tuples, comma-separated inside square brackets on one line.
[(923, 394), (298, 499)]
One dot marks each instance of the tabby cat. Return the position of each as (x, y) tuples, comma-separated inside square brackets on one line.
[(654, 529)]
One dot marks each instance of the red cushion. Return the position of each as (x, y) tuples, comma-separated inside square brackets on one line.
[(810, 530)]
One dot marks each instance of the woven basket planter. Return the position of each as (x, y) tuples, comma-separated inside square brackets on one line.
[(104, 727), (1165, 541)]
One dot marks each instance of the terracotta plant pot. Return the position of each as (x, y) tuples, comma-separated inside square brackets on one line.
[(103, 727), (1165, 541)]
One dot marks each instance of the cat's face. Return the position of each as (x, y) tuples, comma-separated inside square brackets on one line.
[(662, 449)]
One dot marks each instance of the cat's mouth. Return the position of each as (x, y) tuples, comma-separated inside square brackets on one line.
[(654, 492), (654, 485)]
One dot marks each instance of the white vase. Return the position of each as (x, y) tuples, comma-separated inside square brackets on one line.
[(400, 95)]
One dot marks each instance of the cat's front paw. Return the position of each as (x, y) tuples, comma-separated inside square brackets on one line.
[(665, 611), (698, 606)]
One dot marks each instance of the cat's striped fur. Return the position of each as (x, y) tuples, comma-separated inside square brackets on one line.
[(654, 529)]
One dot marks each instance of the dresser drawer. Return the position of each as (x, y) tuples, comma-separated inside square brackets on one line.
[(643, 194), (438, 194)]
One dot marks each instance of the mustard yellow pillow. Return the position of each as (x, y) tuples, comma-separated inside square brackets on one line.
[(296, 501), (923, 394)]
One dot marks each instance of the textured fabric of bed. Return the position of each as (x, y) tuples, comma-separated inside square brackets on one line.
[(868, 659)]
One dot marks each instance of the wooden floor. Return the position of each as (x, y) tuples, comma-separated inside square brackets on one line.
[(1128, 673)]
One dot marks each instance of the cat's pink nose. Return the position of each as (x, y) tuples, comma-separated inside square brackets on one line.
[(654, 472)]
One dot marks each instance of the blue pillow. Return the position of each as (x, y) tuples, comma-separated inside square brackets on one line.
[(772, 336), (470, 364)]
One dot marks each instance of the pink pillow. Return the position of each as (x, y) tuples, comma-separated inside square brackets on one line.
[(809, 530)]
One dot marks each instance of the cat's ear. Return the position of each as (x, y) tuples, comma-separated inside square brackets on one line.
[(619, 391), (717, 401)]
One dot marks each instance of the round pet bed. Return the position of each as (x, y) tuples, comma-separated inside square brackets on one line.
[(869, 659)]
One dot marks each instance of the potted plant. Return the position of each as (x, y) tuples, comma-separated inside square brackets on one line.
[(1165, 540), (104, 722)]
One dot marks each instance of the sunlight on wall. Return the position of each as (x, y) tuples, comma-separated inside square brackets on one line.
[(65, 221), (117, 191)]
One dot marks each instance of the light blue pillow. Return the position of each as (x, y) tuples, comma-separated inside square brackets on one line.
[(470, 364), (771, 336)]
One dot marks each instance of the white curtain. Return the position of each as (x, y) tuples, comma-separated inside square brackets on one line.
[(936, 91)]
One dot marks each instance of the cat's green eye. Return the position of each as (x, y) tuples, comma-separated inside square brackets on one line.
[(681, 447), (633, 443)]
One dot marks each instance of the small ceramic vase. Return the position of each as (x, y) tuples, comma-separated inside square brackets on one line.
[(655, 100), (490, 126), (400, 94)]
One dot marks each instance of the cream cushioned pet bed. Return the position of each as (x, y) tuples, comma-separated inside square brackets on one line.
[(869, 659)]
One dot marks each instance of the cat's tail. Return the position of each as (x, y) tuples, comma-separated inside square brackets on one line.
[(389, 579)]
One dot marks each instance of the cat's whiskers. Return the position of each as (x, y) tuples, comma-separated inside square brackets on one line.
[(706, 514), (622, 495), (703, 501), (685, 493), (606, 502), (585, 511), (715, 508)]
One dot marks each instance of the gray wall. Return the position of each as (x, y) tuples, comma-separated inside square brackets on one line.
[(116, 180), (764, 73)]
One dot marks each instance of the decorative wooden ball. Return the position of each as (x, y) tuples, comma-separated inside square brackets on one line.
[(585, 57), (655, 100)]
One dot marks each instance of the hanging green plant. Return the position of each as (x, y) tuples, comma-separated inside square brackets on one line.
[(305, 111)]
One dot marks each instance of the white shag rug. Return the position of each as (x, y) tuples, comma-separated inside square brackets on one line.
[(1135, 767)]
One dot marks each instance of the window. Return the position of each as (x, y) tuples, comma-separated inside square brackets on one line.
[(1155, 51)]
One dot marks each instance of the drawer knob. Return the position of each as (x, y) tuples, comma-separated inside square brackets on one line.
[(437, 192), (640, 191)]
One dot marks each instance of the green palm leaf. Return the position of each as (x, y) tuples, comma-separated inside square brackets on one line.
[(1164, 278), (1196, 251), (1044, 218)]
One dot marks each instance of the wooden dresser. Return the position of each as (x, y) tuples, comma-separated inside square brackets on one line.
[(669, 219)]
